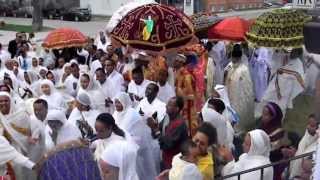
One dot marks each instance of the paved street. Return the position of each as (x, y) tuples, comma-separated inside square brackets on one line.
[(91, 28)]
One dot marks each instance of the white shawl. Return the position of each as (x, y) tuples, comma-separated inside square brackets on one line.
[(123, 155), (258, 155)]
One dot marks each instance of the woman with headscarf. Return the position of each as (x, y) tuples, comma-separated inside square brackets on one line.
[(51, 75), (271, 123), (43, 72), (35, 65), (256, 148), (130, 120), (58, 130), (66, 71), (118, 162), (87, 85), (107, 133), (52, 96)]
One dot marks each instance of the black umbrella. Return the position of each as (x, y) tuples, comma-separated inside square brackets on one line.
[(311, 37)]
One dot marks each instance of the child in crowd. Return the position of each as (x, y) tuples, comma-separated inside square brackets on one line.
[(184, 165)]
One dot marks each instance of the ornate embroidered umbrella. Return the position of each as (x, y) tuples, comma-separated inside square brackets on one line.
[(154, 27), (231, 29), (280, 28), (202, 23), (64, 38)]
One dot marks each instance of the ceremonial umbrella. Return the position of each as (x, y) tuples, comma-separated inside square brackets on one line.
[(122, 11), (202, 23), (280, 28), (64, 38), (231, 29), (154, 28)]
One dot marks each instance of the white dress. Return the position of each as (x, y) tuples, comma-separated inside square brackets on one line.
[(258, 155)]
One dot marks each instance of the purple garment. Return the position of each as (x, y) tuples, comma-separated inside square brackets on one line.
[(260, 72), (70, 164)]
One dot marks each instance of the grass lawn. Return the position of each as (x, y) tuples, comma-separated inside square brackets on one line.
[(296, 118), (20, 28)]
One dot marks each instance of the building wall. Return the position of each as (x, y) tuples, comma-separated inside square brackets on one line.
[(224, 5)]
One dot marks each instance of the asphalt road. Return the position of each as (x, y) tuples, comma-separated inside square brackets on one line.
[(91, 28)]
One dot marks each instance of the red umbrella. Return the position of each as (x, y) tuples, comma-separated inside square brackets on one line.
[(232, 29), (155, 28), (64, 38)]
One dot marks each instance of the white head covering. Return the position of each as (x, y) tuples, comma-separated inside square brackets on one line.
[(15, 116), (33, 76), (260, 143), (56, 115), (84, 99), (12, 107), (221, 89), (92, 83), (50, 84), (124, 99), (123, 155)]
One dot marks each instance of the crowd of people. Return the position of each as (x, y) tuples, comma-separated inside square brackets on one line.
[(209, 110)]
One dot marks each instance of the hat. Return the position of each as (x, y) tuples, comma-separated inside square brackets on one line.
[(181, 57), (84, 99)]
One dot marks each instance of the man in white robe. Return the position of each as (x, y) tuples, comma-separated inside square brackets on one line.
[(71, 83), (38, 135), (240, 89), (151, 106), (137, 86), (287, 83), (166, 91), (114, 79), (307, 144), (83, 111), (212, 113)]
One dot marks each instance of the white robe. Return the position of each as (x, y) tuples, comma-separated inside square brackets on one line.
[(289, 86), (131, 122), (71, 84), (55, 99), (149, 109), (100, 145), (9, 153), (89, 116), (240, 91), (307, 144), (225, 136), (182, 170), (166, 92), (138, 90), (258, 155), (123, 155)]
